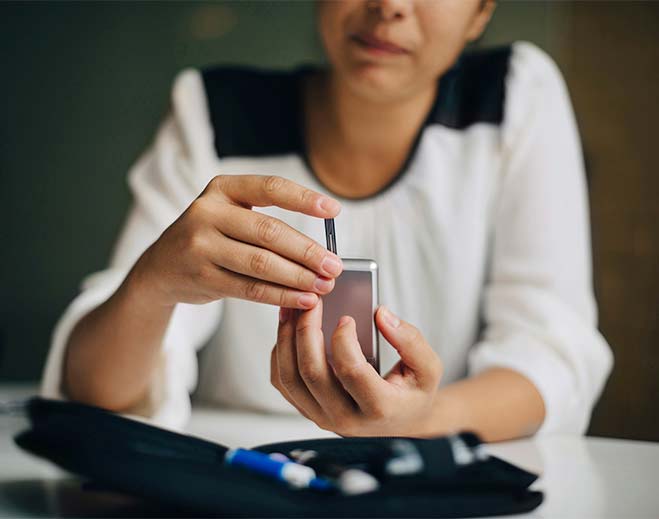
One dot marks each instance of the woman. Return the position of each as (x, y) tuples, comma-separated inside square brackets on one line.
[(460, 174)]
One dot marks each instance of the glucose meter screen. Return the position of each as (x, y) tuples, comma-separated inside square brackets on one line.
[(352, 295)]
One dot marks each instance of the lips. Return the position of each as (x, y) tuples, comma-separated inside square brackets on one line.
[(374, 44)]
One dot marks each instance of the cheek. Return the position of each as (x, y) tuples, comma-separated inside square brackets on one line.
[(331, 19), (444, 38)]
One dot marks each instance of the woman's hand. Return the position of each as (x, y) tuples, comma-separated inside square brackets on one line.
[(349, 397), (220, 248)]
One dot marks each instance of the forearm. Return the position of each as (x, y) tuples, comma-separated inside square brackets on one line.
[(113, 351), (497, 404)]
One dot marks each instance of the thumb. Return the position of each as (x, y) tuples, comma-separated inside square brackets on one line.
[(410, 344)]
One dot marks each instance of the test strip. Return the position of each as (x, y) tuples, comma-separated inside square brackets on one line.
[(330, 234)]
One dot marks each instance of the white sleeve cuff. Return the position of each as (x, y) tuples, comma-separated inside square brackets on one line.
[(96, 289), (168, 400), (560, 352), (549, 375)]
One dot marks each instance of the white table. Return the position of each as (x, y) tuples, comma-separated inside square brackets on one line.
[(581, 477)]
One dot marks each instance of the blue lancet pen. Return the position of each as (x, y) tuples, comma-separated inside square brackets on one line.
[(290, 472)]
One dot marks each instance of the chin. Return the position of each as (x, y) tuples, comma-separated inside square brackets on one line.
[(376, 82)]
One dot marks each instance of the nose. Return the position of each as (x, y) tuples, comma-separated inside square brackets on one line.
[(390, 9)]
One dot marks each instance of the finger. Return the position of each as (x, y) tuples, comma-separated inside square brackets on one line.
[(259, 263), (271, 233), (232, 284), (352, 369), (289, 375), (263, 191), (314, 368), (276, 382), (414, 351)]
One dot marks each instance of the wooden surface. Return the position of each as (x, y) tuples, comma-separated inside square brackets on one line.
[(608, 52), (610, 57)]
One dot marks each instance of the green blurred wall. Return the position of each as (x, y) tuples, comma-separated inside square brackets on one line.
[(83, 87)]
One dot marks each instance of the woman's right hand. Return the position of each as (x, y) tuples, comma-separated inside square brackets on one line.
[(220, 248)]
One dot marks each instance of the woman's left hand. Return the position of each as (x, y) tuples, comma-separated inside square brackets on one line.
[(349, 397)]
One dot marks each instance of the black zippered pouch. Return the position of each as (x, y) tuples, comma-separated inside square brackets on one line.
[(190, 475)]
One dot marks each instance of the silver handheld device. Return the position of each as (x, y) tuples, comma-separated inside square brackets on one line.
[(355, 294)]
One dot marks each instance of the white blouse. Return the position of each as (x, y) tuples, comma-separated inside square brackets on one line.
[(482, 241)]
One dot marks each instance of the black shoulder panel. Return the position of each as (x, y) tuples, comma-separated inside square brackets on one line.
[(257, 112), (473, 90), (253, 112)]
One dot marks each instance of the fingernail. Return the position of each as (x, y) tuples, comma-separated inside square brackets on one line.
[(332, 266), (343, 321), (390, 318), (307, 300), (322, 285), (284, 314), (329, 205)]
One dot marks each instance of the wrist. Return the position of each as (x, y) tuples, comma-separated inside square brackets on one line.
[(447, 415), (142, 288)]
